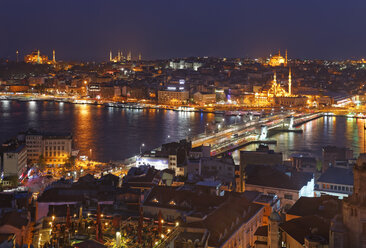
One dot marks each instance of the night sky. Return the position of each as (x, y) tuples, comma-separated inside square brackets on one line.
[(88, 29)]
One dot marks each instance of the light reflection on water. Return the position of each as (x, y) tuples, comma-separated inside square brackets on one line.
[(329, 130), (114, 134), (111, 133)]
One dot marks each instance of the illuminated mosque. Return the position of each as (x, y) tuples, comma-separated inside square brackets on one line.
[(277, 95), (37, 58), (120, 57), (278, 60)]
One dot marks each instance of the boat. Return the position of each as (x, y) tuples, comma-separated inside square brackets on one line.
[(185, 109)]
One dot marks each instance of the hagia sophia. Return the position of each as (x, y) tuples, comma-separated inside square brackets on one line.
[(37, 58), (278, 60)]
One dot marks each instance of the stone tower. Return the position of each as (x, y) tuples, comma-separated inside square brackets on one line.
[(337, 233), (273, 230), (354, 207)]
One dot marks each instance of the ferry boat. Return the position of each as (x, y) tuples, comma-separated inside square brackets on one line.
[(185, 109)]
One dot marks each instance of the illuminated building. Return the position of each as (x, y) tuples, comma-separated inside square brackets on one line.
[(37, 58), (174, 93), (173, 96), (117, 58), (184, 64), (129, 56), (277, 60), (57, 148), (103, 90), (203, 98), (277, 95)]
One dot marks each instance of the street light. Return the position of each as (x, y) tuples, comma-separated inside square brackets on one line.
[(142, 145)]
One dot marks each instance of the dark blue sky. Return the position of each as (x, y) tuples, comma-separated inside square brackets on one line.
[(88, 29)]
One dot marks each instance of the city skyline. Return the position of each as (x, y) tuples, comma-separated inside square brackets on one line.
[(162, 29)]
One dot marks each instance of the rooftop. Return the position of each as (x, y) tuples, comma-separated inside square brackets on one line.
[(337, 175), (232, 214), (269, 176), (326, 206), (303, 227)]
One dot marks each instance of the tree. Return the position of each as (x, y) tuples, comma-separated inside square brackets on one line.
[(70, 162)]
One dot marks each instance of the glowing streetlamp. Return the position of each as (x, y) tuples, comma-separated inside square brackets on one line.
[(142, 145)]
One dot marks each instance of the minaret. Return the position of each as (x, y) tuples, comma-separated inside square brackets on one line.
[(38, 57), (129, 56), (110, 56), (289, 82), (275, 84), (54, 56), (279, 52), (140, 57), (17, 53), (119, 56), (286, 57)]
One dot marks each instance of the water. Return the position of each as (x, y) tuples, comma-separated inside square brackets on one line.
[(330, 130), (103, 133), (114, 134)]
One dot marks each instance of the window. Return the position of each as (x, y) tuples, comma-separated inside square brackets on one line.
[(288, 196)]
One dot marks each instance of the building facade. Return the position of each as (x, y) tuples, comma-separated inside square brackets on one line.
[(173, 97), (14, 161), (57, 149)]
